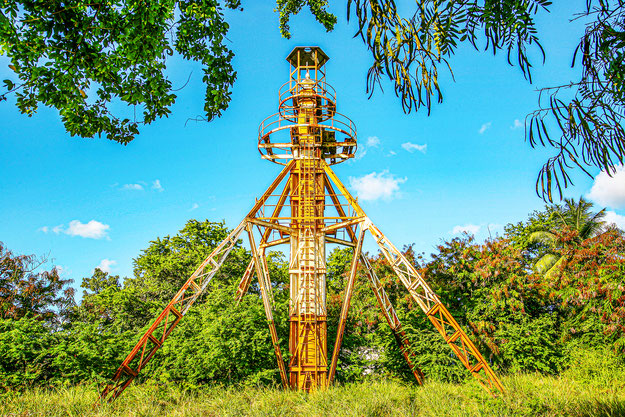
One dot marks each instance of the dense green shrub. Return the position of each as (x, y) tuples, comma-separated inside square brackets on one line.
[(521, 319)]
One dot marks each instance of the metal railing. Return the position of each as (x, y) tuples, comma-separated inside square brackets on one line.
[(281, 151), (320, 90)]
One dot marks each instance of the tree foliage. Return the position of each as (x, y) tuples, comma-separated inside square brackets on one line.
[(287, 8), (586, 114), (520, 320), (582, 119), (84, 58), (572, 215), (28, 290)]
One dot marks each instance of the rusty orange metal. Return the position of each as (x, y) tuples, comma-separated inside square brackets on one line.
[(307, 207)]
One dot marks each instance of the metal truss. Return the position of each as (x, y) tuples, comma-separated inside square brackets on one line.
[(166, 321), (426, 298), (161, 328), (416, 286), (312, 209)]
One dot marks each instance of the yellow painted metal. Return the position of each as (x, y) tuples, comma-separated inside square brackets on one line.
[(427, 300), (265, 285), (307, 309), (318, 137), (344, 310)]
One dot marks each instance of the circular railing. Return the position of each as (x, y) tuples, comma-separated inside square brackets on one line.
[(291, 92), (275, 142)]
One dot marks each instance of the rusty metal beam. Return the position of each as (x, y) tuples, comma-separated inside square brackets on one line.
[(340, 241), (276, 242), (270, 225), (342, 225), (393, 320), (382, 298), (263, 281), (427, 300), (349, 288), (244, 284), (166, 321)]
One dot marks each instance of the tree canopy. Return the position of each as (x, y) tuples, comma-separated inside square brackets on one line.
[(29, 289), (83, 58)]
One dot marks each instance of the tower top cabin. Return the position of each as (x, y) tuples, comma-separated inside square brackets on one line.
[(307, 123), (307, 59)]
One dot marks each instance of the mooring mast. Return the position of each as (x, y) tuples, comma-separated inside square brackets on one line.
[(313, 208)]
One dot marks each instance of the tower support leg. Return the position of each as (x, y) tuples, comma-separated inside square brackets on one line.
[(165, 322), (393, 321), (244, 284), (426, 298), (380, 294), (263, 281), (349, 288)]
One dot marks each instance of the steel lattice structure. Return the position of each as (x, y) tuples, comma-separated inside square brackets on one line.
[(306, 207)]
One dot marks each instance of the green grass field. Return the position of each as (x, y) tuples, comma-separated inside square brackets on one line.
[(576, 393)]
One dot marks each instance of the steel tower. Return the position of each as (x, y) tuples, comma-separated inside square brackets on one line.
[(306, 207)]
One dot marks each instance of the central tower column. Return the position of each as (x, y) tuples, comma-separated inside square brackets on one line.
[(308, 317)]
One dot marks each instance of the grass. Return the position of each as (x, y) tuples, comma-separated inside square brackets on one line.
[(573, 394)]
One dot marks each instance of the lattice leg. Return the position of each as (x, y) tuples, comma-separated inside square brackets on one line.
[(263, 281), (160, 329), (245, 282), (345, 309), (393, 321), (380, 294), (427, 300)]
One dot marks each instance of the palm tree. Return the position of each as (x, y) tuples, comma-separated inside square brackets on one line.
[(575, 215)]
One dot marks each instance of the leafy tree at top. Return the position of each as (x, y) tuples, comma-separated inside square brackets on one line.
[(82, 58), (586, 114)]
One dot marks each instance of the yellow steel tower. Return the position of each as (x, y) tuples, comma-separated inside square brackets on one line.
[(307, 207)]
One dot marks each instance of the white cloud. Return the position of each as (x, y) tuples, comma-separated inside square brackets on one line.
[(609, 191), (411, 147), (373, 142), (613, 218), (517, 124), (91, 230), (485, 127), (156, 185), (106, 265), (194, 206), (392, 153), (375, 185), (468, 228), (136, 187)]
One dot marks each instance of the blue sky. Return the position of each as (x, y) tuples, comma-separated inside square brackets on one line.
[(90, 202)]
